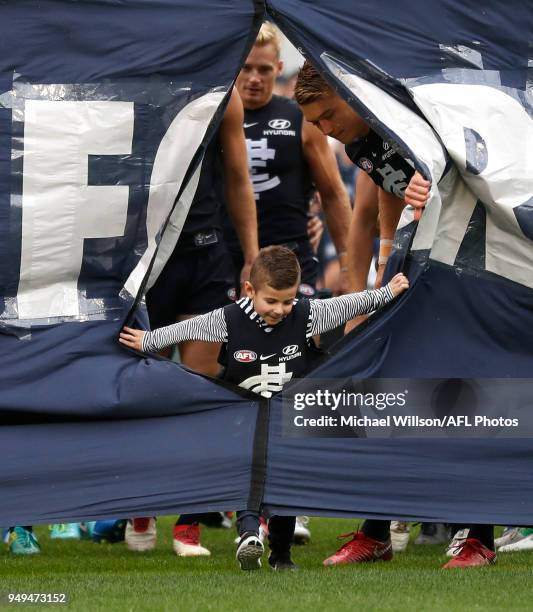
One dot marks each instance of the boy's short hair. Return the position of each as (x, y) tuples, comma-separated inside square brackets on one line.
[(310, 85), (269, 35), (276, 266)]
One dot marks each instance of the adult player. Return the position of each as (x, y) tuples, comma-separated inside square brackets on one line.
[(288, 160), (199, 277), (325, 109)]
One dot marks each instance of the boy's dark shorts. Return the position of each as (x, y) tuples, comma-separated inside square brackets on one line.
[(194, 281)]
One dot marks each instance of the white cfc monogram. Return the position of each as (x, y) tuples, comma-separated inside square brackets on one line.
[(393, 180), (271, 379), (258, 154)]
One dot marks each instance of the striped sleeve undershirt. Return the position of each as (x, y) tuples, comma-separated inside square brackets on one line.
[(210, 327), (323, 316), (328, 314)]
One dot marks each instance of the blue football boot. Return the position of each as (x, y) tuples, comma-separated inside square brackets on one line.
[(65, 531), (23, 542), (111, 531)]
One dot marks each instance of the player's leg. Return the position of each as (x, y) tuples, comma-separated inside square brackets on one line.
[(109, 530), (515, 539), (432, 533), (65, 531), (307, 289), (399, 534), (162, 305), (371, 543), (280, 536), (186, 537), (249, 545), (302, 533), (459, 532), (477, 550), (141, 534), (163, 299), (201, 357), (22, 541), (208, 286)]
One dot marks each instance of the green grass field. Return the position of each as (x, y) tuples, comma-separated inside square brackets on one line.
[(109, 577)]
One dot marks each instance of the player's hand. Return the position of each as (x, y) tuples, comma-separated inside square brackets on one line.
[(132, 338), (315, 229), (398, 284), (417, 193)]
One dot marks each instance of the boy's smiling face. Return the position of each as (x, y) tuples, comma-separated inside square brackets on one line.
[(273, 305)]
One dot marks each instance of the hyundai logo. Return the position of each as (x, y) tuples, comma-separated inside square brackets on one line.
[(279, 124), (290, 349)]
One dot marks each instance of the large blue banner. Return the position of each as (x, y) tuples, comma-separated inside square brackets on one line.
[(450, 84), (105, 109)]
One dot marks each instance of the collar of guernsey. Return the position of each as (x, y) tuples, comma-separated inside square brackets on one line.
[(247, 305), (354, 148)]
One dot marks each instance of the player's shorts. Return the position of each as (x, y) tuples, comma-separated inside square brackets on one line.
[(195, 280), (308, 264)]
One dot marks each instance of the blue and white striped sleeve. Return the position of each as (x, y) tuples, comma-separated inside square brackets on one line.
[(328, 314), (209, 327)]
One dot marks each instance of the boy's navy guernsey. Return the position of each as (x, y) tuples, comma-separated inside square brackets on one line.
[(381, 161), (245, 332), (263, 358), (280, 174)]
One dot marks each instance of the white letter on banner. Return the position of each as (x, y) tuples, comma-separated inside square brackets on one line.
[(488, 134), (59, 209)]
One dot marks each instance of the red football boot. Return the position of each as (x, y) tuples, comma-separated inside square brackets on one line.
[(360, 549), (186, 541), (472, 553), (141, 534)]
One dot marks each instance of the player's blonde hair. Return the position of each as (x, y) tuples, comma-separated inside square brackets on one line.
[(310, 85), (269, 35)]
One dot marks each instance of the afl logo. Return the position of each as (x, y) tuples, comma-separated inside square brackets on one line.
[(244, 356), (290, 349), (366, 164), (306, 290), (279, 124)]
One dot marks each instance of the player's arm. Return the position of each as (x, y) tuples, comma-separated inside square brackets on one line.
[(328, 314), (391, 174), (209, 327), (237, 184), (390, 210), (335, 201), (363, 230)]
